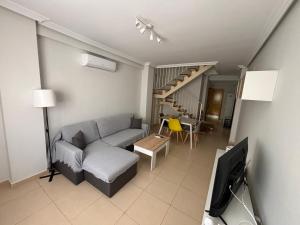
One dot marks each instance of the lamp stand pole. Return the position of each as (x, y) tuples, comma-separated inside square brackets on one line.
[(51, 168)]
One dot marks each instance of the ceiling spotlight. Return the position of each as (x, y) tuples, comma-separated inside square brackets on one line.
[(137, 23), (151, 35), (139, 26), (158, 39), (143, 30)]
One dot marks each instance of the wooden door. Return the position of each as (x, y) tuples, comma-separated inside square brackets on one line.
[(214, 102)]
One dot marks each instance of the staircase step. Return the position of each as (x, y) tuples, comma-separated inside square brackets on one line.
[(180, 77), (170, 100), (187, 72), (172, 103), (158, 91), (172, 83), (167, 87)]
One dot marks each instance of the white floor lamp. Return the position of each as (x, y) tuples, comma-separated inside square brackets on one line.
[(44, 98)]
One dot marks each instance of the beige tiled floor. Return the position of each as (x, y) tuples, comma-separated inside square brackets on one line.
[(173, 194)]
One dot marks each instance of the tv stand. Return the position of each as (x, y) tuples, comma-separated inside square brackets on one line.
[(235, 213)]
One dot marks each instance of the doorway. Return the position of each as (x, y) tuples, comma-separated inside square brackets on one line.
[(214, 103)]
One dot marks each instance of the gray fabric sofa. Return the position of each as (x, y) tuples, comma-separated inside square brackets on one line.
[(104, 162)]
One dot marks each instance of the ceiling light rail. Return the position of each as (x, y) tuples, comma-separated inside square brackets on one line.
[(143, 26)]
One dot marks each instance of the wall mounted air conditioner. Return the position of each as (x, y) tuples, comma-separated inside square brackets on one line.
[(97, 62)]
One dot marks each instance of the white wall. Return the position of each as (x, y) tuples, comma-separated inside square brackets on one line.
[(273, 128), (85, 93), (19, 75), (4, 170)]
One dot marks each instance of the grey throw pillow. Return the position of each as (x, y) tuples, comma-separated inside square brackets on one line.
[(78, 140), (136, 123)]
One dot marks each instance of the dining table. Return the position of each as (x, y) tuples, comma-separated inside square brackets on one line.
[(183, 120)]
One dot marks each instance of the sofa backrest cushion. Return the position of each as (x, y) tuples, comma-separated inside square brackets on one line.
[(89, 129), (113, 124)]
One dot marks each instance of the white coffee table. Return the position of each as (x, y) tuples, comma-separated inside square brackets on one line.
[(151, 145)]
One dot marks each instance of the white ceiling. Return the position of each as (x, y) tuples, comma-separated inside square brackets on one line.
[(228, 31)]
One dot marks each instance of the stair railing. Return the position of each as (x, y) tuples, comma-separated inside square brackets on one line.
[(187, 100), (165, 75)]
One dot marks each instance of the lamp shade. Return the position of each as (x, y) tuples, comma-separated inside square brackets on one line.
[(43, 98)]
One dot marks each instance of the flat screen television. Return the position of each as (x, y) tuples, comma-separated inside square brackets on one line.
[(230, 173)]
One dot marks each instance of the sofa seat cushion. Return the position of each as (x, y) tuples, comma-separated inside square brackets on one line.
[(124, 138), (106, 162)]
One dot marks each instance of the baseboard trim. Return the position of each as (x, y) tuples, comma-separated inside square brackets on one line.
[(17, 183), (4, 182)]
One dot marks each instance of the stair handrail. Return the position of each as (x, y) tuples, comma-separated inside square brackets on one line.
[(168, 78)]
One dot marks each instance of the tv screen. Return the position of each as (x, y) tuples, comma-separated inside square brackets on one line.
[(230, 172)]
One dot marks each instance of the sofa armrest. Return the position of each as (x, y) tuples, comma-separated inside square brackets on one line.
[(146, 128), (69, 154)]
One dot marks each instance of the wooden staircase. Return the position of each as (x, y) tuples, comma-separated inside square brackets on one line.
[(172, 103), (165, 93), (180, 81)]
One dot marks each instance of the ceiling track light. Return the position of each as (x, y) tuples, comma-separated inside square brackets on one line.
[(144, 26)]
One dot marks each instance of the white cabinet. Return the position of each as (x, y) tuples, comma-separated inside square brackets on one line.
[(259, 85)]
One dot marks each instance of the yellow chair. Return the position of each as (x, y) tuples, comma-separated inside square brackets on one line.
[(175, 127)]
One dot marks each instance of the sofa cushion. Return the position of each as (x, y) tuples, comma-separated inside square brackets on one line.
[(106, 162), (78, 140), (113, 124), (125, 137), (136, 123), (89, 128)]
